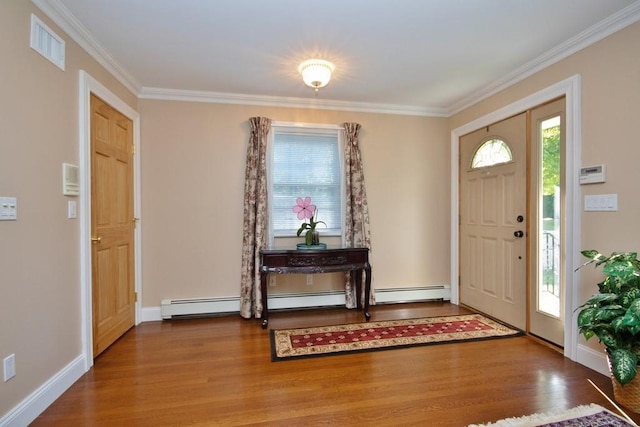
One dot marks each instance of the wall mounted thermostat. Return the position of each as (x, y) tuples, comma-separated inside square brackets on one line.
[(592, 175), (70, 180)]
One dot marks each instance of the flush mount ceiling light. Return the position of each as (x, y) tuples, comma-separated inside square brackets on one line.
[(316, 73)]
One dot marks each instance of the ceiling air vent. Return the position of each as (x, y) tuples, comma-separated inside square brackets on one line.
[(46, 42)]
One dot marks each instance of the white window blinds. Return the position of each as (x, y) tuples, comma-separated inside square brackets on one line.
[(306, 163)]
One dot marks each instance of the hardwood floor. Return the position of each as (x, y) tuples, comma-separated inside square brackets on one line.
[(218, 372)]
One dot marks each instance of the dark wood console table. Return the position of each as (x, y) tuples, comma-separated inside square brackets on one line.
[(313, 261)]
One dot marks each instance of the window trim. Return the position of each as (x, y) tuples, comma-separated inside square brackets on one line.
[(304, 128)]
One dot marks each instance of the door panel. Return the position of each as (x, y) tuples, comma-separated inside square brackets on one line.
[(492, 259), (113, 289)]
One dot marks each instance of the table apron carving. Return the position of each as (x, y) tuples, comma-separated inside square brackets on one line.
[(314, 262)]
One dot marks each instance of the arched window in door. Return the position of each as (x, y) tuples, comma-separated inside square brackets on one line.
[(492, 152)]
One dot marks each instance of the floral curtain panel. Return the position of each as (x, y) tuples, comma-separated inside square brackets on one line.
[(357, 233), (255, 219)]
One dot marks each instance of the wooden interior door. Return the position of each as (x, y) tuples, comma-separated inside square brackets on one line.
[(112, 262), (493, 225)]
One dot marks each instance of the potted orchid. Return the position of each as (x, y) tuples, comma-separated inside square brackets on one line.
[(305, 210)]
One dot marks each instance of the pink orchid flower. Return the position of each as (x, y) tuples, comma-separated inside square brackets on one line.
[(304, 208)]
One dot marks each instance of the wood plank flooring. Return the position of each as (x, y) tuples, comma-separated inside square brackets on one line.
[(218, 372)]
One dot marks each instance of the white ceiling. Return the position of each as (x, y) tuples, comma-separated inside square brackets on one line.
[(429, 57)]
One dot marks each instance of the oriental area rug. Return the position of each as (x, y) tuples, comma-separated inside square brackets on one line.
[(581, 416), (289, 344)]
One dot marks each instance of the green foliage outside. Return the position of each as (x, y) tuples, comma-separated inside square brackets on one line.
[(551, 160)]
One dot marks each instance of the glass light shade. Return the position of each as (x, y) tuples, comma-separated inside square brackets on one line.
[(316, 73)]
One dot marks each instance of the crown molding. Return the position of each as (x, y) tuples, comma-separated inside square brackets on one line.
[(278, 101), (59, 14), (597, 32)]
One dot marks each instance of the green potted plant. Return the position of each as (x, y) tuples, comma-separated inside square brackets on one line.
[(613, 314)]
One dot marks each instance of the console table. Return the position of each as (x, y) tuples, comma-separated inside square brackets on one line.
[(312, 261)]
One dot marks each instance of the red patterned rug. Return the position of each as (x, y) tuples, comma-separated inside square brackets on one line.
[(385, 335)]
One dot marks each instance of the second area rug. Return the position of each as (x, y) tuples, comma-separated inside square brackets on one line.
[(582, 416), (384, 335)]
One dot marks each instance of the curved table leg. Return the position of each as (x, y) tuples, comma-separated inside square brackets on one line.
[(367, 291)]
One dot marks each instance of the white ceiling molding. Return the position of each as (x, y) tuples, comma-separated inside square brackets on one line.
[(278, 101)]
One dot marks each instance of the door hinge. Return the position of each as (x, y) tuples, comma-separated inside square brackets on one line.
[(135, 222), (135, 297), (133, 149)]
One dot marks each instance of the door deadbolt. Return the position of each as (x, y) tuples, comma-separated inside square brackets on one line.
[(519, 218)]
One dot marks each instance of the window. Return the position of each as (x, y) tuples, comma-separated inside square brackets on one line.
[(492, 152), (305, 160)]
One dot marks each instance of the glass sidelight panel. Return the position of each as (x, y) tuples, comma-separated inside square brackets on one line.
[(549, 240)]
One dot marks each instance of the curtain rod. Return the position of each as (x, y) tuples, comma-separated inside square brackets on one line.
[(305, 125)]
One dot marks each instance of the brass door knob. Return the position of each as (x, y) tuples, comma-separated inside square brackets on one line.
[(96, 240)]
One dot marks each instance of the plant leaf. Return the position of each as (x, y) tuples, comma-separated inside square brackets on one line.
[(631, 320), (608, 312), (596, 299), (607, 337), (628, 297), (586, 317), (624, 365), (591, 254)]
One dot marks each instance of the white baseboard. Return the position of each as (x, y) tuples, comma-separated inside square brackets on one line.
[(34, 404), (195, 306), (594, 359), (150, 314)]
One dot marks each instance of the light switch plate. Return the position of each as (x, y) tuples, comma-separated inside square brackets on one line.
[(72, 209), (8, 209), (9, 367), (601, 203)]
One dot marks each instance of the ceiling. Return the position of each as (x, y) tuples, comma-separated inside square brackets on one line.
[(426, 57)]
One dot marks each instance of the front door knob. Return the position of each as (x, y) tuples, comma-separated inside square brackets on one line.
[(518, 234)]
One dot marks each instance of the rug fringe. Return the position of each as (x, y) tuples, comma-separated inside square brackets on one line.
[(553, 416)]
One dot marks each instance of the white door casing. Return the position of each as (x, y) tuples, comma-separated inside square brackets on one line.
[(570, 88), (88, 85)]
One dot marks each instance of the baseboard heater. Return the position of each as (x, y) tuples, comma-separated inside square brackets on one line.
[(170, 308), (175, 308)]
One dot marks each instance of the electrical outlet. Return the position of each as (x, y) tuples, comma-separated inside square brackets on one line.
[(272, 280), (309, 279), (9, 367)]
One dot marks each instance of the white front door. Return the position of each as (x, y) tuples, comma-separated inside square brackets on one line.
[(493, 221)]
